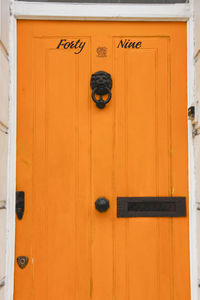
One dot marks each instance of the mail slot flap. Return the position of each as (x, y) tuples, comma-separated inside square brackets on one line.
[(129, 207)]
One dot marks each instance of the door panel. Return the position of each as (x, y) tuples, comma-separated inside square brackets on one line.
[(69, 153)]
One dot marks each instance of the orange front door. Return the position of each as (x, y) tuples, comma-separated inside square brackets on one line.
[(70, 152)]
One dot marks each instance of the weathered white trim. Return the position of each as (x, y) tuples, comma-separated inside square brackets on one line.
[(191, 164), (109, 12), (2, 204), (112, 12), (11, 177), (3, 128), (2, 282)]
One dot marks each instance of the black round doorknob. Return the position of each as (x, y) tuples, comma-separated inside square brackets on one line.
[(102, 204)]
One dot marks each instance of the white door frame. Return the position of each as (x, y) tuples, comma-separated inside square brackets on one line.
[(101, 12)]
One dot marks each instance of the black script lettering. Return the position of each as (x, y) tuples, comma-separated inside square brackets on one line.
[(126, 43), (66, 46), (61, 43), (138, 45), (121, 43), (72, 45), (81, 46), (76, 45), (129, 44)]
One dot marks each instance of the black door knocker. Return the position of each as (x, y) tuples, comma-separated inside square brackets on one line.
[(101, 84)]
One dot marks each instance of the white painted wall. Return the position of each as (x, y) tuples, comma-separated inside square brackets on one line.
[(197, 119), (4, 89)]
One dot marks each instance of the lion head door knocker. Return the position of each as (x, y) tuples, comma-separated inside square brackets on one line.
[(101, 84)]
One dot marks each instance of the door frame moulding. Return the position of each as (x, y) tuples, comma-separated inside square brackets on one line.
[(98, 12), (101, 11)]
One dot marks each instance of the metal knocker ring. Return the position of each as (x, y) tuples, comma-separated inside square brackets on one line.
[(101, 84), (101, 103)]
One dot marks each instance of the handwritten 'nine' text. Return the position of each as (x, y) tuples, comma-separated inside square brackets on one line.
[(126, 43)]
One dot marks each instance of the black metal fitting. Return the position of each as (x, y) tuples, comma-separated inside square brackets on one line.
[(101, 84), (102, 204)]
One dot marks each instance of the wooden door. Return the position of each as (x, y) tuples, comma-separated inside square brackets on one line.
[(70, 152)]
